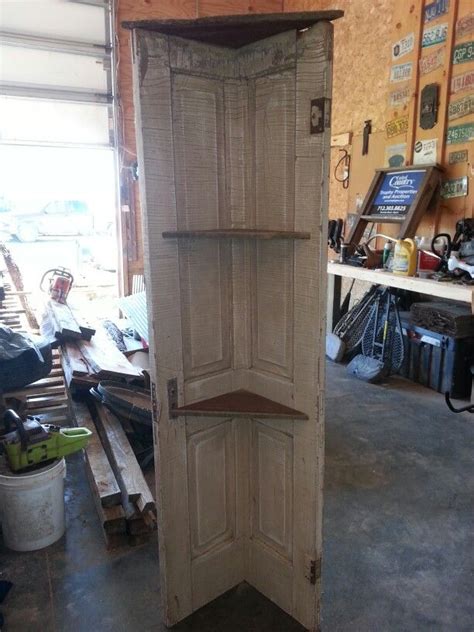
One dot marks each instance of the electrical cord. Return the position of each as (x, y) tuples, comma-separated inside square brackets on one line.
[(346, 159)]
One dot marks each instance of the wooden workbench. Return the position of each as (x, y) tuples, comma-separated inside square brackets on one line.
[(441, 289)]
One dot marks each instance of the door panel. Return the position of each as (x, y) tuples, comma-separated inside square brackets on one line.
[(275, 150), (272, 489), (211, 475), (225, 137), (198, 133), (206, 318), (272, 309)]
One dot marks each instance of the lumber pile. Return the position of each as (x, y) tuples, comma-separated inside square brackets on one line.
[(67, 323), (85, 363), (124, 503)]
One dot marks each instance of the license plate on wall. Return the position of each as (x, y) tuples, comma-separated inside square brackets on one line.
[(460, 134)]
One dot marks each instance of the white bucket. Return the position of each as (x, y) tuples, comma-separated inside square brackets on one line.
[(32, 507)]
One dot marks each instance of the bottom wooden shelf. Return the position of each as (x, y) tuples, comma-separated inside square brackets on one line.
[(240, 404)]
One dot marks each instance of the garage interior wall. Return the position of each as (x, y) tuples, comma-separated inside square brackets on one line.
[(361, 89)]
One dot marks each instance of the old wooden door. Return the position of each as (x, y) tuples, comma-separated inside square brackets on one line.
[(226, 142)]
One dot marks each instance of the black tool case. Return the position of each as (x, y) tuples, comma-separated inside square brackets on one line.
[(436, 360)]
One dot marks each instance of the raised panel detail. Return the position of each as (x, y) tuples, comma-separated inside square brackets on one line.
[(275, 151), (198, 132), (272, 493), (205, 298), (272, 297), (211, 479)]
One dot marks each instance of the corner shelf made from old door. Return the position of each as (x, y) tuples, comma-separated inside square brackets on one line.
[(239, 403), (234, 187)]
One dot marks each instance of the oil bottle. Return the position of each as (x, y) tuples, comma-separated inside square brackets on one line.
[(404, 257)]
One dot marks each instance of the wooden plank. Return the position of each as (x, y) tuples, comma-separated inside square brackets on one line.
[(447, 290), (68, 329), (341, 140), (236, 30), (236, 233), (85, 326), (123, 460), (105, 360), (102, 479)]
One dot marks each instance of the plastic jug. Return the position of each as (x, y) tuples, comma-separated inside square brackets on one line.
[(404, 257)]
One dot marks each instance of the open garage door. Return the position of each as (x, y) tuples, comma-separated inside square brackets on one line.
[(57, 143)]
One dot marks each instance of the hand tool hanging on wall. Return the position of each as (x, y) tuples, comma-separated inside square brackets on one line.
[(366, 133), (335, 230), (344, 160)]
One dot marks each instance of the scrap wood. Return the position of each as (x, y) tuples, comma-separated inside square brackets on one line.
[(66, 326), (105, 360), (16, 277), (85, 326), (122, 458), (102, 479)]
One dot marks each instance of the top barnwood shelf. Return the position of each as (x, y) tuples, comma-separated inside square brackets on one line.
[(240, 403), (236, 233)]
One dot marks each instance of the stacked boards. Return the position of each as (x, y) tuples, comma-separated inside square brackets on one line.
[(124, 503)]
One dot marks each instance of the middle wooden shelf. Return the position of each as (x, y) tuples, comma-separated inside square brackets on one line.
[(239, 403), (236, 233)]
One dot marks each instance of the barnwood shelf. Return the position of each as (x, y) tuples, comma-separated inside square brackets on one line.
[(235, 233), (239, 404)]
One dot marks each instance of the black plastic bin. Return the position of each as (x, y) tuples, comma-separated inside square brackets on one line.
[(437, 361)]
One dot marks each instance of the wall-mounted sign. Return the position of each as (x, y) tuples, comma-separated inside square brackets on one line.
[(435, 9), (463, 53), (434, 35), (429, 106), (399, 97), (425, 152), (395, 155), (401, 72), (396, 126), (432, 61), (460, 108), (397, 192), (455, 157), (465, 25), (462, 82), (457, 187), (403, 46), (460, 134)]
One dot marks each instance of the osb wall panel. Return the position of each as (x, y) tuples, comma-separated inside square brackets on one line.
[(360, 77), (149, 9)]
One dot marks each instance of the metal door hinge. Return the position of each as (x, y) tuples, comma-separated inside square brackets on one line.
[(172, 387), (320, 115), (313, 570)]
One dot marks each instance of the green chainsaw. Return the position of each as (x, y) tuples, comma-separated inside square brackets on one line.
[(33, 444)]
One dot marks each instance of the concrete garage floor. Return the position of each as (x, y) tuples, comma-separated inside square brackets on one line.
[(398, 534)]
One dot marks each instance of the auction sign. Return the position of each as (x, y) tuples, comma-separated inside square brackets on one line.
[(397, 192)]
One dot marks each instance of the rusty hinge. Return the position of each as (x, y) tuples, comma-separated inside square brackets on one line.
[(313, 570), (172, 387), (320, 115)]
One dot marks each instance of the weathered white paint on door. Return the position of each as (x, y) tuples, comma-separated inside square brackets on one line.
[(225, 141)]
